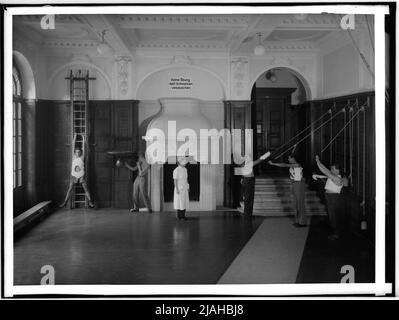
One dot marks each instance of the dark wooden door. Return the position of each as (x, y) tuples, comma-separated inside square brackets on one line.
[(273, 120), (237, 115), (61, 149), (125, 137), (114, 126), (101, 162)]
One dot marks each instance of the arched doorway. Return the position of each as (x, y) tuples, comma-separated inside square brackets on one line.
[(191, 97), (278, 96)]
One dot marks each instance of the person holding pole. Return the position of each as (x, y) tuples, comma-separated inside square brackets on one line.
[(139, 183), (333, 195), (248, 182), (298, 188)]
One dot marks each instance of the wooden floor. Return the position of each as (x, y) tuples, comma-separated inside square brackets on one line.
[(322, 259), (118, 247)]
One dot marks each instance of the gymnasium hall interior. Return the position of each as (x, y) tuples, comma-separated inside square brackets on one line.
[(301, 82)]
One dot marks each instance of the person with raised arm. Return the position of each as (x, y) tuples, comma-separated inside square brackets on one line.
[(139, 183), (248, 182), (333, 196), (78, 171), (298, 189)]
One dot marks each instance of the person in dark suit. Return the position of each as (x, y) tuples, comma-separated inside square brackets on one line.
[(248, 182)]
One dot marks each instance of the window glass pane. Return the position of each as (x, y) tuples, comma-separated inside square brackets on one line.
[(14, 110), (19, 161), (14, 87), (17, 81), (19, 144), (15, 179), (19, 110), (14, 128), (19, 178), (15, 161), (19, 127)]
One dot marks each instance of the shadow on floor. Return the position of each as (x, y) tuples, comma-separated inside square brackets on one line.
[(323, 259)]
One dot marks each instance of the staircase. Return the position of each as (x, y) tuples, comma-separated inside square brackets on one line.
[(273, 197)]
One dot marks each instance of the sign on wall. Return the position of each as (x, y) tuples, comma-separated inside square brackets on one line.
[(180, 84)]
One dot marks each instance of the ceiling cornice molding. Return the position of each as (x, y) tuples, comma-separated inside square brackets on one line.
[(321, 22), (68, 43), (324, 22), (179, 21), (189, 44), (286, 47), (168, 54), (277, 45)]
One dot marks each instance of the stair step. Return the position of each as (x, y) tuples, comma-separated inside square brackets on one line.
[(273, 197), (279, 214), (273, 193), (285, 200)]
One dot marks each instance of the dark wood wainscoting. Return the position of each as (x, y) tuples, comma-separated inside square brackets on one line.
[(47, 157), (353, 149), (237, 115)]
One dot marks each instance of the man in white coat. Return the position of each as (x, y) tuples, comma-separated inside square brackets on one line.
[(181, 188)]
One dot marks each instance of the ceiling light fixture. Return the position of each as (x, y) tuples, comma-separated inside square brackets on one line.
[(259, 50), (271, 76), (103, 47)]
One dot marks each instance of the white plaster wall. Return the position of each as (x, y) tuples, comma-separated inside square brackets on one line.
[(212, 110), (342, 69), (58, 67), (51, 65), (204, 85), (213, 69)]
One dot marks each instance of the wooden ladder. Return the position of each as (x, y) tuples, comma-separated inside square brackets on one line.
[(79, 96)]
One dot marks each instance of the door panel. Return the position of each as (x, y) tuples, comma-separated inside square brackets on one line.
[(101, 162), (125, 136), (114, 126), (237, 116), (62, 140), (273, 126), (273, 119)]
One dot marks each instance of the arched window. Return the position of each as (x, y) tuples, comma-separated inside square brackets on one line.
[(17, 127)]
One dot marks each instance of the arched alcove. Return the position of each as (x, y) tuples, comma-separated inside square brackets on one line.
[(99, 89), (301, 78), (201, 84), (184, 83), (279, 95)]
